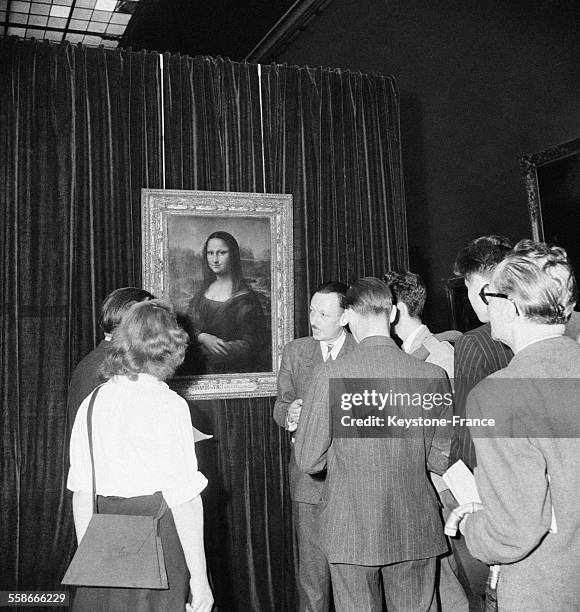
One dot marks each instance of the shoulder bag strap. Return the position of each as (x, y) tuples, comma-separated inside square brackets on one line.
[(90, 434)]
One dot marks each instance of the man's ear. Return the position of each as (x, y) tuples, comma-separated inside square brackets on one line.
[(344, 319), (393, 315), (509, 311)]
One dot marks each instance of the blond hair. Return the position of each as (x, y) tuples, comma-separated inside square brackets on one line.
[(540, 280), (148, 340)]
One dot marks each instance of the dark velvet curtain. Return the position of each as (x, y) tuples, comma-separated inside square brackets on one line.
[(332, 139), (79, 137)]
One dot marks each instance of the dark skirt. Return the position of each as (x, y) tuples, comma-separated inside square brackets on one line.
[(96, 599)]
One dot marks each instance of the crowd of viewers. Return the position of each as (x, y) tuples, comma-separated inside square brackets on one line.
[(368, 504)]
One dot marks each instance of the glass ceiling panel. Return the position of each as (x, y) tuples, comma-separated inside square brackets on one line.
[(91, 22)]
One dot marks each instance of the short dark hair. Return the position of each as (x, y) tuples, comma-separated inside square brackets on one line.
[(116, 304), (407, 288), (333, 287), (481, 255), (370, 295), (148, 340)]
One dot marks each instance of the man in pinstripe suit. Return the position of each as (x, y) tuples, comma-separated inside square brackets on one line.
[(477, 355), (410, 295), (379, 513), (329, 340)]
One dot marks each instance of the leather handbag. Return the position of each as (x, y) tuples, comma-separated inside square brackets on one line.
[(118, 550)]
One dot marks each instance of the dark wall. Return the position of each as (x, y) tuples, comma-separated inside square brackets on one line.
[(482, 83)]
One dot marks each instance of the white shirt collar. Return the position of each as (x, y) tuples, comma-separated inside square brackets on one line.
[(336, 346), (408, 342)]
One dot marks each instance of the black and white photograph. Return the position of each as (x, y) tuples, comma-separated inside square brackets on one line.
[(289, 305)]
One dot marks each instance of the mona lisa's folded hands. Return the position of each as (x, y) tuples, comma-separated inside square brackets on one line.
[(213, 344)]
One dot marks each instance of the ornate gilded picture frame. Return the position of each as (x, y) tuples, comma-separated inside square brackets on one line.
[(225, 262), (552, 182)]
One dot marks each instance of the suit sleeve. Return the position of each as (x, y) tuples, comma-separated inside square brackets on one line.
[(313, 433), (438, 456), (512, 483), (286, 389)]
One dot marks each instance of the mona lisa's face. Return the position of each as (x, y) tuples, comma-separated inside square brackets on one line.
[(218, 256)]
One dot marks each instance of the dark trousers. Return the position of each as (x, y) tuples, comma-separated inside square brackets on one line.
[(452, 596), (408, 586), (472, 573), (313, 569)]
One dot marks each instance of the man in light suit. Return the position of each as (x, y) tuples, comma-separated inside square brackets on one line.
[(528, 473), (410, 295), (477, 355), (329, 340), (379, 513)]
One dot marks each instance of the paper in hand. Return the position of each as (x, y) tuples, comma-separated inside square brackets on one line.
[(199, 436), (461, 482)]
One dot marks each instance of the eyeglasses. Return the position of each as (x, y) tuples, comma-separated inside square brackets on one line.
[(483, 294)]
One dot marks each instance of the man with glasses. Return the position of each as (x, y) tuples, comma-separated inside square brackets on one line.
[(528, 475)]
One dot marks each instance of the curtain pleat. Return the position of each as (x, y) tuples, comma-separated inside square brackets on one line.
[(72, 164), (212, 125)]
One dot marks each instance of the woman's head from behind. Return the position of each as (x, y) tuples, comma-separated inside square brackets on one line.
[(221, 256), (148, 340)]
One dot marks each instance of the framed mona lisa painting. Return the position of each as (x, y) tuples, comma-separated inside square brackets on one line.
[(224, 260)]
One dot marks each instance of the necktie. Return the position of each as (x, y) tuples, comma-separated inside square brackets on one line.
[(328, 352)]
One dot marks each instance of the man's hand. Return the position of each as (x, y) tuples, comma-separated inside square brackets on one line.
[(293, 415)]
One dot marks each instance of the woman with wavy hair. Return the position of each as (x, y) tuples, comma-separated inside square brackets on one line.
[(227, 316), (144, 457)]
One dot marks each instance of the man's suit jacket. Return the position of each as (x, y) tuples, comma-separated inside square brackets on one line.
[(378, 506), (435, 348), (299, 360), (541, 571), (85, 378), (477, 355)]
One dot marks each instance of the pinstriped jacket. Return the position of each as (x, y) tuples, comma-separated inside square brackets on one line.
[(477, 355), (378, 506)]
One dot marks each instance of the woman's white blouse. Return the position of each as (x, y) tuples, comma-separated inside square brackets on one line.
[(142, 443)]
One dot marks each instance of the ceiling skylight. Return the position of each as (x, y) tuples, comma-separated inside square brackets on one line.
[(91, 22)]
